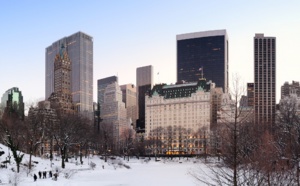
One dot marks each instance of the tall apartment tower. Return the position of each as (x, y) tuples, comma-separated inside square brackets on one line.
[(264, 79), (250, 94), (144, 82), (62, 82), (79, 48), (203, 53), (102, 84), (114, 112), (289, 89), (129, 98)]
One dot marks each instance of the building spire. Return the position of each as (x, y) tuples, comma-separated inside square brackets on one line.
[(201, 69)]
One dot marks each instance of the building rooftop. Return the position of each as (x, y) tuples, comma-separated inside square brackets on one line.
[(201, 34)]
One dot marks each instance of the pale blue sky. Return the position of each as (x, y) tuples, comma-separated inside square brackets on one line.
[(130, 34)]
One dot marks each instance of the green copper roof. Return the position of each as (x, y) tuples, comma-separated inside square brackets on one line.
[(179, 90)]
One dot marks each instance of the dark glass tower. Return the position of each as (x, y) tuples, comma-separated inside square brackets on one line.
[(206, 50), (102, 84), (264, 79), (144, 82), (12, 103)]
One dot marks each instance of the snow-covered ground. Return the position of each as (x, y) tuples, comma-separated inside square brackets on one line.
[(141, 172)]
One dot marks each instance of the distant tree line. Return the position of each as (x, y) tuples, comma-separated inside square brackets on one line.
[(64, 135)]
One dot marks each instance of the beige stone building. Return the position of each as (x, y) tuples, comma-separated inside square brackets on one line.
[(130, 100), (178, 118)]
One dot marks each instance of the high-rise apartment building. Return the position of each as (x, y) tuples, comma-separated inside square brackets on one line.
[(129, 98), (250, 94), (113, 111), (62, 94), (289, 89), (144, 82), (79, 48), (264, 79), (102, 84), (203, 52), (12, 102)]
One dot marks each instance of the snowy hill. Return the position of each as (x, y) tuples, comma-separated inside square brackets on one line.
[(136, 172)]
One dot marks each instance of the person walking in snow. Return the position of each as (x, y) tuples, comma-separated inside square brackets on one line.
[(50, 174), (40, 174), (44, 174), (34, 177), (55, 176)]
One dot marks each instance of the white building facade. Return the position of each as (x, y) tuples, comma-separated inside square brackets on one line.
[(178, 118), (114, 112)]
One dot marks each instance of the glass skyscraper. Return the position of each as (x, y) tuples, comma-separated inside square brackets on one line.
[(203, 52), (12, 101), (79, 47), (102, 84)]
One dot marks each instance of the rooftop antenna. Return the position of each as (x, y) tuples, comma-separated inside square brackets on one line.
[(201, 69)]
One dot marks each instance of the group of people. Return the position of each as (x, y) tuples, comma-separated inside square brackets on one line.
[(44, 174)]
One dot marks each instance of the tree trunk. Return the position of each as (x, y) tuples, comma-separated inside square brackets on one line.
[(30, 154), (18, 167), (298, 182), (66, 154), (235, 144), (62, 158), (80, 155), (51, 150)]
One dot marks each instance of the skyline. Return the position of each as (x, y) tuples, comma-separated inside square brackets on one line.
[(129, 35)]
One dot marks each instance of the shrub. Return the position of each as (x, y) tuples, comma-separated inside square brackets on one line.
[(92, 165)]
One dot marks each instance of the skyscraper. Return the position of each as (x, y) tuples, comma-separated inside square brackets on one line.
[(79, 47), (203, 52), (250, 94), (129, 98), (62, 82), (12, 102), (144, 82), (114, 112), (289, 89), (102, 84), (264, 79)]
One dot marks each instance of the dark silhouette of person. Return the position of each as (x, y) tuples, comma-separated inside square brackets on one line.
[(40, 174), (50, 174), (34, 177), (44, 174), (55, 176)]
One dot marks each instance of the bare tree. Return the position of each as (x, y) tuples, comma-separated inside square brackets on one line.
[(13, 135), (201, 140), (83, 136), (35, 130), (68, 127), (154, 142), (169, 136), (139, 146), (287, 135), (106, 139), (231, 126), (127, 140)]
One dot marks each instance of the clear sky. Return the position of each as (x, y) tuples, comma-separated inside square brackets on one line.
[(129, 34)]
